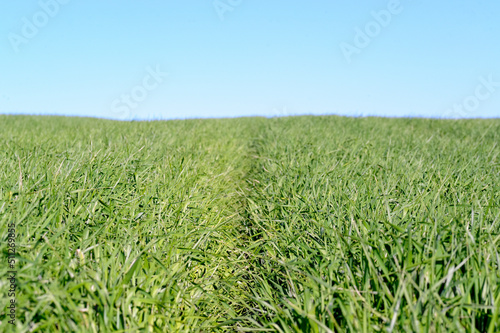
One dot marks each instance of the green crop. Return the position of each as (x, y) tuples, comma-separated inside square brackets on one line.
[(300, 224)]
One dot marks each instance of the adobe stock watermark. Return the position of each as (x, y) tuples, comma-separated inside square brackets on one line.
[(32, 26), (484, 90), (283, 112), (126, 102), (364, 36), (11, 274), (224, 6)]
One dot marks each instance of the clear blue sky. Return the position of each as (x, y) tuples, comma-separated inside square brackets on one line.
[(228, 58)]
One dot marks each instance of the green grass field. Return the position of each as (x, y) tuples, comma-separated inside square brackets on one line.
[(300, 224)]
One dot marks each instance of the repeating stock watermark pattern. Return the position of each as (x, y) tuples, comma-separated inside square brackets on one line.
[(32, 25), (224, 6), (484, 90), (371, 30), (123, 105)]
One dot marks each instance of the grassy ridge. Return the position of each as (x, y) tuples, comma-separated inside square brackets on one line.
[(294, 224)]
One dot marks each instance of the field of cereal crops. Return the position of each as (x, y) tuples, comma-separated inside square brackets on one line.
[(298, 224)]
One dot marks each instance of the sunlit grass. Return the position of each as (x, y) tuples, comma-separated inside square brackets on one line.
[(304, 224), (377, 225)]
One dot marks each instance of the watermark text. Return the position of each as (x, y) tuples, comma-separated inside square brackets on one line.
[(122, 106), (32, 26), (11, 273), (484, 90)]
